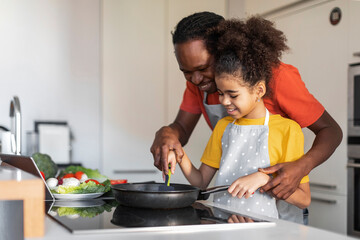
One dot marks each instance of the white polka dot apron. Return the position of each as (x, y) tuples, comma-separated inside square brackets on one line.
[(215, 112), (244, 150)]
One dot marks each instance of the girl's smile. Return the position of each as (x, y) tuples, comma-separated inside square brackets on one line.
[(231, 111), (240, 99)]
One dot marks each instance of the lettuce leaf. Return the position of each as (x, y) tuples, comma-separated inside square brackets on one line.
[(89, 187)]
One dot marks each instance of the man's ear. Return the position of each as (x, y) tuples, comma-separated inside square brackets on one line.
[(260, 89)]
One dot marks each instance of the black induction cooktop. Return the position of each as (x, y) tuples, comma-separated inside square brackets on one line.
[(106, 215)]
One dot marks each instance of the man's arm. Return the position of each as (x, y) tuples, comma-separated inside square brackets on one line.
[(173, 137), (328, 137)]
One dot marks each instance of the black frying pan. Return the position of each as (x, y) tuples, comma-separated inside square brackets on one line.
[(150, 195)]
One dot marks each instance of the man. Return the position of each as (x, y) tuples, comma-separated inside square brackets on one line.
[(289, 98)]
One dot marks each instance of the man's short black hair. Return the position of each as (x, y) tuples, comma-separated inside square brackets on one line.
[(194, 27)]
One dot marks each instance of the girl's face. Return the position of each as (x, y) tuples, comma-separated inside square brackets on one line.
[(239, 99)]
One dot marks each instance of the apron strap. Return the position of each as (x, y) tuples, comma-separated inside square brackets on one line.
[(267, 116), (205, 98)]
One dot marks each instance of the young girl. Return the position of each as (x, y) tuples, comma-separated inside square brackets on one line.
[(250, 138)]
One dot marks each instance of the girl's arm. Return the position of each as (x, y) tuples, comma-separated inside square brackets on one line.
[(301, 197), (197, 177), (247, 185)]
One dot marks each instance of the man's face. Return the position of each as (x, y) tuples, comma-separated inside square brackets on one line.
[(197, 64)]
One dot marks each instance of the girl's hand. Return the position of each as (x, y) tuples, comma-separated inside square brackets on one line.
[(172, 161), (247, 185)]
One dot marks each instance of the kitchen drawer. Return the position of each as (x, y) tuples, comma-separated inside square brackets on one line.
[(328, 211)]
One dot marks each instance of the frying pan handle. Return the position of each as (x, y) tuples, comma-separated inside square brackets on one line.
[(204, 194)]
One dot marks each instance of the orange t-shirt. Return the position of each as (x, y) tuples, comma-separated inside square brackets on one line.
[(290, 98)]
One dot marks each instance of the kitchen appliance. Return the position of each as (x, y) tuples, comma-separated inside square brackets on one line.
[(107, 216), (5, 138), (354, 101), (353, 147), (153, 195), (54, 139)]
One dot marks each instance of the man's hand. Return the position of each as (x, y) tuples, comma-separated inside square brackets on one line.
[(166, 140), (172, 138), (288, 178)]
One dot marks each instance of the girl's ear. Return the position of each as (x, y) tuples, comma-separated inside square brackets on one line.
[(260, 89)]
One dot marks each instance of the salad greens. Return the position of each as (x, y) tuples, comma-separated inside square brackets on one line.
[(101, 184), (85, 187)]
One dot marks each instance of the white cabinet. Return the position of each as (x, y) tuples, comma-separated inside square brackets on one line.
[(328, 211), (354, 32), (267, 6)]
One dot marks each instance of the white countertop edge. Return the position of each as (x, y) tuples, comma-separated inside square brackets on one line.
[(181, 229)]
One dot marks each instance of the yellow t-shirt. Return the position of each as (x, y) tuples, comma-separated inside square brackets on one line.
[(286, 140)]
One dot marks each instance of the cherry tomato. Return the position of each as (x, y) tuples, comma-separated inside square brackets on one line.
[(43, 175), (69, 175), (78, 175), (118, 181), (93, 180)]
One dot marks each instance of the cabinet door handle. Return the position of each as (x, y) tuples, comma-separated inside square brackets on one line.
[(321, 185), (353, 165), (322, 200), (135, 171), (356, 54)]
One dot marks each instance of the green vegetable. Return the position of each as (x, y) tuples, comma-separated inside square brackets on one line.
[(88, 212), (89, 187), (92, 174), (45, 164)]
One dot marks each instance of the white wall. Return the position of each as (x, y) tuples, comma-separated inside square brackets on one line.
[(49, 57)]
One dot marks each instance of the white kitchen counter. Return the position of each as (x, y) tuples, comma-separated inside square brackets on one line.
[(282, 230)]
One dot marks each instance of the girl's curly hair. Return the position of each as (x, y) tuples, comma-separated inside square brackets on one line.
[(249, 49)]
